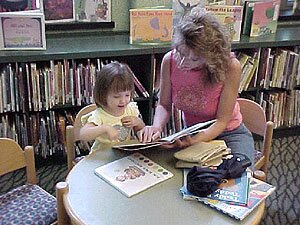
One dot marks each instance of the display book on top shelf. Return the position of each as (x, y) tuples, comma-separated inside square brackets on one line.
[(44, 96)]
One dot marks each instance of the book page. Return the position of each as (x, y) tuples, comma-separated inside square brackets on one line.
[(135, 145)]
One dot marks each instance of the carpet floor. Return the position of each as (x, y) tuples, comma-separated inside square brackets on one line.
[(282, 207)]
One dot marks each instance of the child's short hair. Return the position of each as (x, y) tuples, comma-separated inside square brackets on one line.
[(113, 77)]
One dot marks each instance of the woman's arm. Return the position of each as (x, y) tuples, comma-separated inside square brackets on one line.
[(164, 107)]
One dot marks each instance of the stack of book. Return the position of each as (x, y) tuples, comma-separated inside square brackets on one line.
[(234, 197)]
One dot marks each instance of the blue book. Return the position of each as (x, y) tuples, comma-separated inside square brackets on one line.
[(235, 191)]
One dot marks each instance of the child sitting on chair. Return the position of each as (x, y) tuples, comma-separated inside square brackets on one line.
[(116, 115)]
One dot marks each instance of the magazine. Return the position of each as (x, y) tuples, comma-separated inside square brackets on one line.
[(259, 191), (166, 140), (133, 174)]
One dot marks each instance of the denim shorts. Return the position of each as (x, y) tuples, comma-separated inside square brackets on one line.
[(239, 140)]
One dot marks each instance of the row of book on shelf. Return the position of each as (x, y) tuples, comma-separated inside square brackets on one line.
[(28, 86), (249, 17), (270, 68), (45, 131)]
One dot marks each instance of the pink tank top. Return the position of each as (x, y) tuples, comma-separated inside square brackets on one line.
[(197, 98)]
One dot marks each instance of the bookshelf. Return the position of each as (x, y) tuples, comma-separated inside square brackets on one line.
[(106, 45)]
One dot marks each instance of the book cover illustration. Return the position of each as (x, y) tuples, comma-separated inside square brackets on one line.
[(93, 10), (183, 7), (259, 191), (133, 174), (21, 5), (59, 10), (230, 16), (235, 191), (22, 31), (265, 17), (151, 26)]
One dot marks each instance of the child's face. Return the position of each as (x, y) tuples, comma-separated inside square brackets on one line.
[(116, 102), (187, 59)]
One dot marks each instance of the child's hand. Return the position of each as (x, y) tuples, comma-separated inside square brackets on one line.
[(130, 121), (112, 133)]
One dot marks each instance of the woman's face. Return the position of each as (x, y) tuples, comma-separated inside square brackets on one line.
[(187, 59)]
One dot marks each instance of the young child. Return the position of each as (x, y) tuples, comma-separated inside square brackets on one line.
[(116, 115), (201, 76)]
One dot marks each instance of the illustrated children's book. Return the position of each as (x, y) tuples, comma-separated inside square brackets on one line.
[(265, 17), (259, 191), (182, 8), (230, 16), (133, 174), (93, 10), (22, 31), (235, 191), (169, 139), (151, 26), (59, 12)]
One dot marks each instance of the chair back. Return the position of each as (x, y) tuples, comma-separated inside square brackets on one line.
[(77, 122), (72, 133), (65, 216), (254, 118), (12, 157)]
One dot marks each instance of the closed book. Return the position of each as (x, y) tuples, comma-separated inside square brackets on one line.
[(133, 174), (259, 191), (230, 16), (265, 17), (150, 26), (234, 190)]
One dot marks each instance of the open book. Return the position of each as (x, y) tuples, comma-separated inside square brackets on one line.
[(133, 174), (134, 146)]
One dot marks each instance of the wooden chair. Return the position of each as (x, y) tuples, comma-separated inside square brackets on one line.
[(28, 203), (72, 134), (64, 214), (254, 118)]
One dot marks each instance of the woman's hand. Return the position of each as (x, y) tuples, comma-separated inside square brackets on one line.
[(180, 143), (149, 134)]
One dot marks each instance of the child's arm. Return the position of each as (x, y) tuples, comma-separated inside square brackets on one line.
[(90, 131), (133, 122)]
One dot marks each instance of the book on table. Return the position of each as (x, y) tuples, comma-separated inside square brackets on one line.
[(133, 174), (258, 192)]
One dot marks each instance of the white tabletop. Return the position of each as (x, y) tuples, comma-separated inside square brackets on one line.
[(95, 202)]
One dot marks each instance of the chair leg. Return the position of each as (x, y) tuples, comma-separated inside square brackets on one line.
[(62, 216)]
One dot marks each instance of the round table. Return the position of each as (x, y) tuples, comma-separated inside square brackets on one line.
[(94, 202)]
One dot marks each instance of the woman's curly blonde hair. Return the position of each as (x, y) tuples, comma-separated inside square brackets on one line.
[(205, 36)]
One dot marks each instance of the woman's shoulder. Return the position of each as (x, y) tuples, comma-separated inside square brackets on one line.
[(169, 55)]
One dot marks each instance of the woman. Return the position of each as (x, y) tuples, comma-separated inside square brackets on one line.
[(201, 77)]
